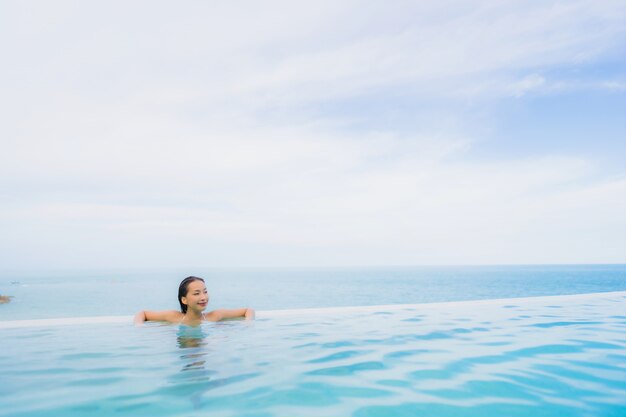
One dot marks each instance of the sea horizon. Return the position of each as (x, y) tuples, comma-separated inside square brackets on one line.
[(121, 291)]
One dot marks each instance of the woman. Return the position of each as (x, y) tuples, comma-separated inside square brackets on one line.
[(193, 299)]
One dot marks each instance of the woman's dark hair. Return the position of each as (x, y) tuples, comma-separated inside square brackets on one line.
[(182, 291)]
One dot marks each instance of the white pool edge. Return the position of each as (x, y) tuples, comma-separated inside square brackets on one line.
[(11, 324)]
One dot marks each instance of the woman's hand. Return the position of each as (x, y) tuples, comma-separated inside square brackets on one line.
[(140, 318)]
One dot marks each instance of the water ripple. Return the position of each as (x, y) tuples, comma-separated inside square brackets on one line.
[(339, 356), (349, 369), (562, 323)]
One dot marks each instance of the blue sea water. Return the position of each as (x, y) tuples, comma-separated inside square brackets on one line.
[(123, 292)]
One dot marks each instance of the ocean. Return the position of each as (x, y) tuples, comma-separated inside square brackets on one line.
[(57, 294)]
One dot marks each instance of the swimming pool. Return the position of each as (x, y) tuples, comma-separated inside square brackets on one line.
[(543, 356)]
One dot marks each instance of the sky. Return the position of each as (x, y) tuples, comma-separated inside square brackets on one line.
[(279, 133)]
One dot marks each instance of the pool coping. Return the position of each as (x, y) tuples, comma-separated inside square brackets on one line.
[(11, 324)]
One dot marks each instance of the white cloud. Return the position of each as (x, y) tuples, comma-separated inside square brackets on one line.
[(617, 86), (410, 210), (527, 84), (202, 125)]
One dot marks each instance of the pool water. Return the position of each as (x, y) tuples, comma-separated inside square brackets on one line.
[(544, 356)]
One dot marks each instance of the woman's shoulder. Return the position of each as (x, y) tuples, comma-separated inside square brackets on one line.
[(213, 315), (174, 315), (165, 315)]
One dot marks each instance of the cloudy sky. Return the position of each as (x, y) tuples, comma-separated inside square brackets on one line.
[(280, 133)]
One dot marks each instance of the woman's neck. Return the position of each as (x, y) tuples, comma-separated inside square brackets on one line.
[(194, 315)]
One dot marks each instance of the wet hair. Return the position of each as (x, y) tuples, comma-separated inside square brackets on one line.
[(182, 291)]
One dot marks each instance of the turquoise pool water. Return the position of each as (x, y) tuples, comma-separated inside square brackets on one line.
[(546, 356)]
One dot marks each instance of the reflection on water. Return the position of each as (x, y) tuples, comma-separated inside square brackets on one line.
[(191, 336), (193, 340), (194, 376), (195, 380)]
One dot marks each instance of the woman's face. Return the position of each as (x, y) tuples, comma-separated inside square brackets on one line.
[(197, 297)]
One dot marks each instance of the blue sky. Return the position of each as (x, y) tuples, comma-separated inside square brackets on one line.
[(379, 133)]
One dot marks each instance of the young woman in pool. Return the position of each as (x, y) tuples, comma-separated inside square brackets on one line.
[(193, 299)]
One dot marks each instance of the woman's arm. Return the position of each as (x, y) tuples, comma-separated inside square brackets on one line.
[(217, 315), (168, 315)]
